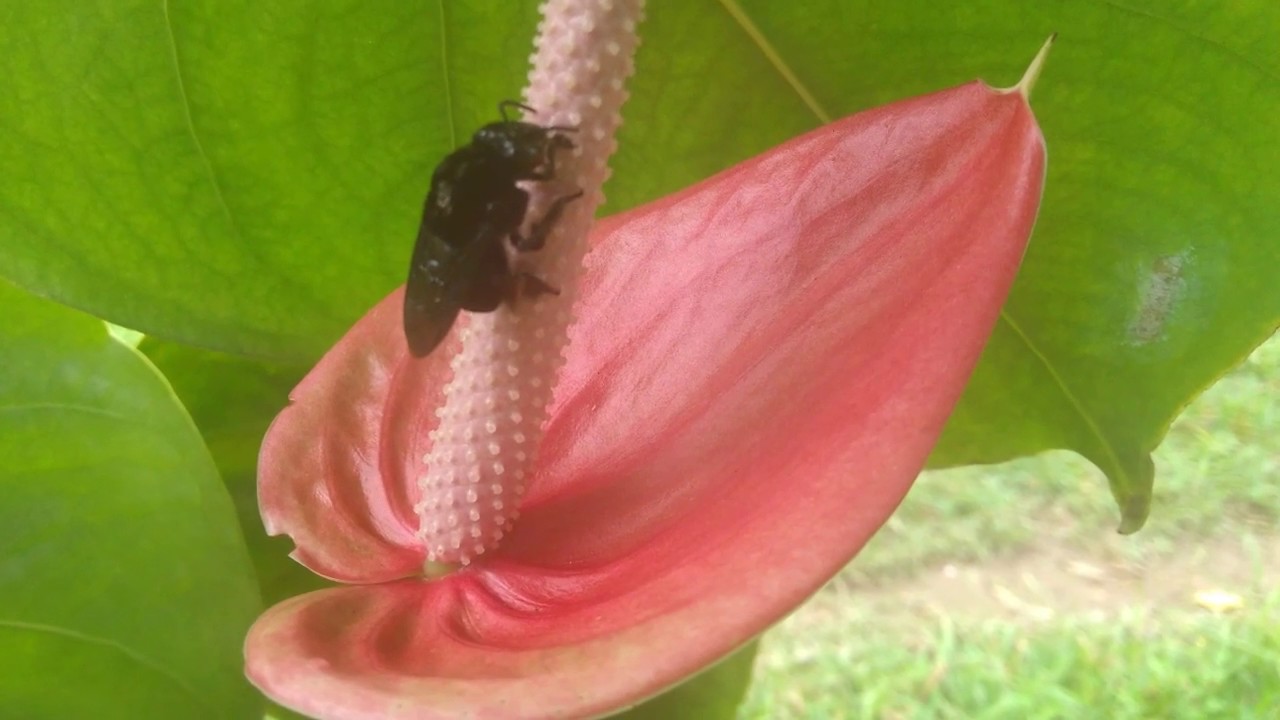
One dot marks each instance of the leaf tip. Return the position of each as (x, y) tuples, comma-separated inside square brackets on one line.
[(1133, 517), (1134, 495)]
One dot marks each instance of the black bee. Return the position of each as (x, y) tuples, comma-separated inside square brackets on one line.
[(464, 258)]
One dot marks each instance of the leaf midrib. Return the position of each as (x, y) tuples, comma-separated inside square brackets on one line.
[(775, 60), (1118, 468), (445, 75), (137, 658), (191, 125)]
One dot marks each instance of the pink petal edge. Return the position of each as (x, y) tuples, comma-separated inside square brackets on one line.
[(335, 469)]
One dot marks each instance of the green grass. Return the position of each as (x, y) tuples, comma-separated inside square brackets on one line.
[(1137, 665), (858, 650)]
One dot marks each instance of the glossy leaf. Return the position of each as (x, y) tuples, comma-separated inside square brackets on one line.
[(728, 432), (232, 401), (239, 175), (124, 583)]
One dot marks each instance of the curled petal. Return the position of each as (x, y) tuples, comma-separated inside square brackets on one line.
[(410, 650), (759, 369), (335, 471)]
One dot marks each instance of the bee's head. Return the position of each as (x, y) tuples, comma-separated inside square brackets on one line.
[(524, 145)]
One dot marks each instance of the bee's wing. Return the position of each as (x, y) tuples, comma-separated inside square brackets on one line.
[(431, 296)]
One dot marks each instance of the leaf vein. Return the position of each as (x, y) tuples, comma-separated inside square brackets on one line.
[(136, 657), (770, 54), (1107, 448), (49, 406), (191, 124), (1210, 42), (445, 76)]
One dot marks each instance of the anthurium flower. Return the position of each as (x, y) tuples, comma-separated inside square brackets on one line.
[(759, 367)]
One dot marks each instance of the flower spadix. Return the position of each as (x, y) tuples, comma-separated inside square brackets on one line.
[(472, 480)]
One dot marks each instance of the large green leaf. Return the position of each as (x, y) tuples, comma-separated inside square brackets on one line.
[(247, 176), (239, 175), (124, 583), (233, 401)]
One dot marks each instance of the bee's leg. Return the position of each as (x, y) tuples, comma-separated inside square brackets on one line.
[(533, 286), (522, 281), (555, 142), (537, 237), (526, 284)]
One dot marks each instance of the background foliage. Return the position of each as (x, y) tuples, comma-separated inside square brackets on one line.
[(245, 177)]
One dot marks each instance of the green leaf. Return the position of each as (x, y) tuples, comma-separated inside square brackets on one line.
[(248, 176), (713, 694), (1154, 263), (233, 401), (237, 175), (125, 588)]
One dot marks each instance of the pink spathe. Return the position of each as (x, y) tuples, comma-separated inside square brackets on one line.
[(758, 369)]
